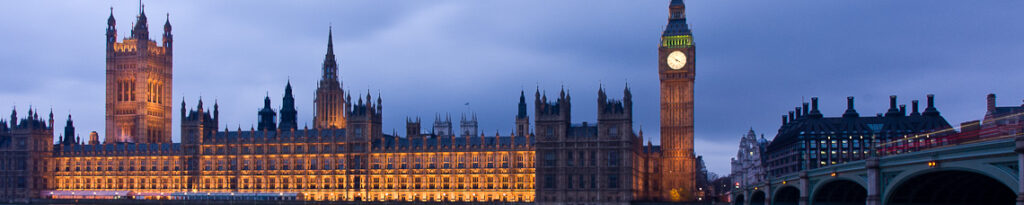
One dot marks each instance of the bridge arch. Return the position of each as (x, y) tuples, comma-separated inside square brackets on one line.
[(953, 185), (739, 200), (758, 198), (786, 195), (839, 191)]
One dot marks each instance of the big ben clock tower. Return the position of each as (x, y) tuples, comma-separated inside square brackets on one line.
[(676, 72)]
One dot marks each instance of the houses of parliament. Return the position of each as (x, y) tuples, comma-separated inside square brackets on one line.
[(346, 156)]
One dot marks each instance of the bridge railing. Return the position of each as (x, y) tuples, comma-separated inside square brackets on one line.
[(971, 132)]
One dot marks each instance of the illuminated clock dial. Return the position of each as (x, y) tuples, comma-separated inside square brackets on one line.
[(676, 60)]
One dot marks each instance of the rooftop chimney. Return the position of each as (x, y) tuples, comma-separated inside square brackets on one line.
[(850, 112), (991, 102), (913, 105), (893, 111), (806, 109), (930, 109), (815, 113)]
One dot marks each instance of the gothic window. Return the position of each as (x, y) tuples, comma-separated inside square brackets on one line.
[(593, 158), (549, 159), (613, 131), (613, 158), (613, 181), (570, 161), (568, 182), (549, 181)]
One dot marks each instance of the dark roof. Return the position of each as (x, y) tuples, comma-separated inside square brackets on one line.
[(652, 149), (583, 131), (882, 126), (677, 27), (118, 148), (1007, 110)]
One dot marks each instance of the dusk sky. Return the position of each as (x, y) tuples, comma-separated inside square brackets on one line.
[(756, 59)]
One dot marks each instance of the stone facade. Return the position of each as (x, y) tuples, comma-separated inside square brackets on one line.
[(25, 149), (748, 167), (587, 163), (139, 71)]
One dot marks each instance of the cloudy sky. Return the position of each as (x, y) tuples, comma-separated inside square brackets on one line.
[(756, 59)]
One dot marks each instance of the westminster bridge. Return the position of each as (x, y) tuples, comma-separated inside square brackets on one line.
[(978, 172)]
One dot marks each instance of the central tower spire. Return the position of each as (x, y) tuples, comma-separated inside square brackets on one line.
[(330, 104), (330, 67)]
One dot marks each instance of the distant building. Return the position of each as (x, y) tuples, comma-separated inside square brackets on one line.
[(701, 179), (748, 167), (24, 148), (1002, 121), (808, 140), (719, 189)]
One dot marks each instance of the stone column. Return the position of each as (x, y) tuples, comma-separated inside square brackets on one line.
[(747, 197), (804, 188), (874, 191), (1019, 149)]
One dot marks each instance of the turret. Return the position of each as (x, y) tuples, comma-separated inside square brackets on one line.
[(69, 130), (469, 126), (522, 119), (141, 29), (288, 113), (51, 119), (412, 127), (168, 38), (627, 99), (183, 108), (266, 116), (111, 30), (14, 117), (552, 118), (94, 138), (216, 112)]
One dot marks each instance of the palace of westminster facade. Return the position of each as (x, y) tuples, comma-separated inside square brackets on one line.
[(346, 156)]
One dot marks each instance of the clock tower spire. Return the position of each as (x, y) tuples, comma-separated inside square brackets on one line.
[(676, 71)]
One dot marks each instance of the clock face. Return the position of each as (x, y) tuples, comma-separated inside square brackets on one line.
[(676, 60)]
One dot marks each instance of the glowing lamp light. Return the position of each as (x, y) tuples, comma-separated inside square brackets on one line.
[(933, 164), (833, 174), (783, 182)]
